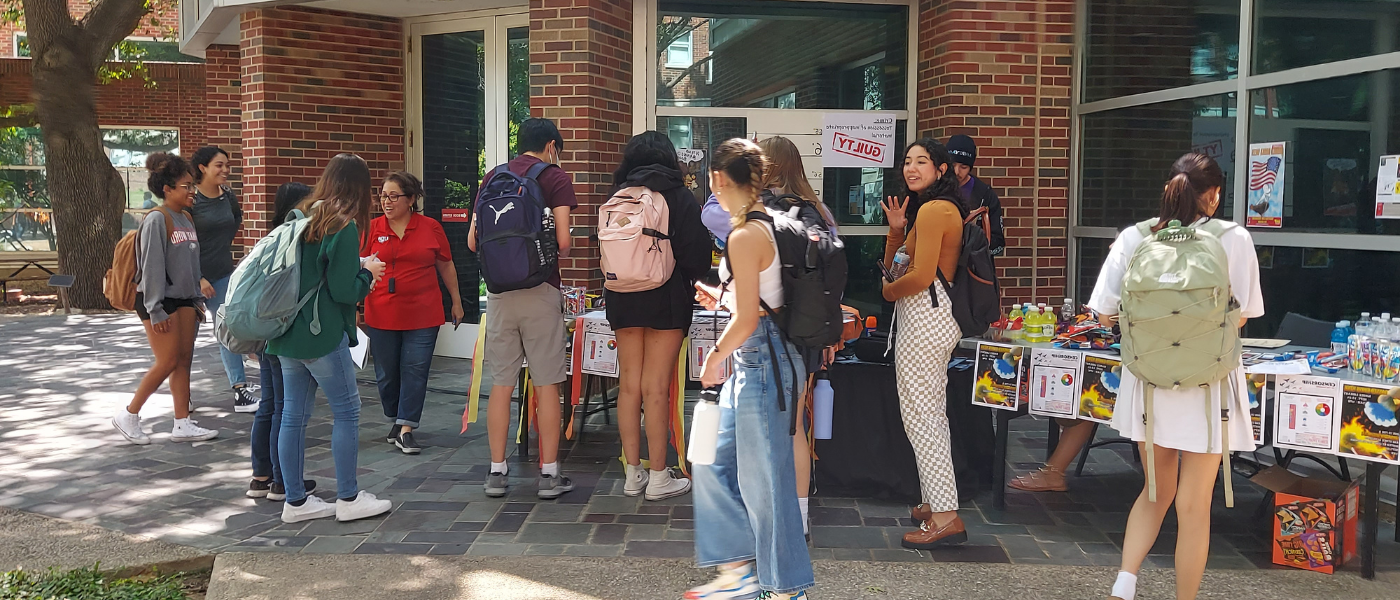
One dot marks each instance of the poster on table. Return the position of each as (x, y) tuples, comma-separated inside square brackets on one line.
[(1054, 382), (1306, 411), (1388, 188), (598, 354), (1267, 166), (1257, 385), (1366, 425), (861, 140), (998, 375), (1098, 394), (705, 330)]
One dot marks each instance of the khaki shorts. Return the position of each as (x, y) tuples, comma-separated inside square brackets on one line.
[(526, 325)]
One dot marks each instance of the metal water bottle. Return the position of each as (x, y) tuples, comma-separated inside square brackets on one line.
[(704, 428), (821, 407)]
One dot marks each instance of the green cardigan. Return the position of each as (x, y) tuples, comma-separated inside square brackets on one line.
[(337, 256)]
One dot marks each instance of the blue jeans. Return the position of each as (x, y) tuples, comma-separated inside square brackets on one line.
[(233, 362), (747, 499), (336, 373), (267, 423), (401, 362)]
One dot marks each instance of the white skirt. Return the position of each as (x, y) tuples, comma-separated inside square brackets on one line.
[(1180, 416)]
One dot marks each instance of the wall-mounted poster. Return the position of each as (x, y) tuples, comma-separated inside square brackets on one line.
[(1367, 427), (862, 139), (998, 374), (1099, 393), (1306, 410), (1267, 167)]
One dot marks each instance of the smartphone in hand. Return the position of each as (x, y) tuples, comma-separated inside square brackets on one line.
[(885, 271)]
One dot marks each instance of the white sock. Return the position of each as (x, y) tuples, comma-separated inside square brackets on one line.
[(1126, 586), (550, 469), (499, 467), (802, 504)]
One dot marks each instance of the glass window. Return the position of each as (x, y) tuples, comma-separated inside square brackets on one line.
[(21, 45), (863, 280), (766, 53), (1322, 283), (1090, 254), (1134, 47), (695, 139), (1336, 130), (854, 195), (1299, 33), (153, 51), (517, 82), (678, 55), (128, 149), (1128, 153)]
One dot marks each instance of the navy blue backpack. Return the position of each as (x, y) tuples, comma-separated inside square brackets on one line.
[(515, 235)]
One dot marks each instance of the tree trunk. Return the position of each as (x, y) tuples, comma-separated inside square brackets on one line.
[(87, 193)]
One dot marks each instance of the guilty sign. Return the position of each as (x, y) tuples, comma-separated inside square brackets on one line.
[(858, 140)]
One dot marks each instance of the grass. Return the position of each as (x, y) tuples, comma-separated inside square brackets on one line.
[(88, 583)]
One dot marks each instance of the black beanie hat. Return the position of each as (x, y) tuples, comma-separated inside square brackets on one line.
[(963, 150)]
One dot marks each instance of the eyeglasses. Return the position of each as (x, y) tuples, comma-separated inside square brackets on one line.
[(392, 197), (188, 187)]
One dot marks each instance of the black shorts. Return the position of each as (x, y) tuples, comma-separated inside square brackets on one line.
[(169, 304)]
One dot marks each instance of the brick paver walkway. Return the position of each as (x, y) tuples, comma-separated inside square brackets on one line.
[(61, 379)]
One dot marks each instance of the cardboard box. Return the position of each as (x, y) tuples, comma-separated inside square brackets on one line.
[(1314, 520)]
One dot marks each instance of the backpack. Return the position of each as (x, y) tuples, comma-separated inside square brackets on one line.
[(974, 291), (515, 231), (1180, 321), (119, 284), (634, 238), (264, 292)]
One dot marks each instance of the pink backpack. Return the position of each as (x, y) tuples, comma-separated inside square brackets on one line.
[(634, 237)]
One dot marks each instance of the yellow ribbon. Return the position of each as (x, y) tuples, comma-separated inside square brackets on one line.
[(478, 364)]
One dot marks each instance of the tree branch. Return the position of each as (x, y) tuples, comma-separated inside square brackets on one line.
[(109, 22), (689, 71)]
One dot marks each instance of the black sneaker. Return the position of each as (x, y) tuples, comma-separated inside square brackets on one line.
[(259, 489), (278, 493), (393, 433), (246, 398), (552, 487), (407, 444)]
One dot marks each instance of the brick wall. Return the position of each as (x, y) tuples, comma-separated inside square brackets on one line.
[(223, 98), (167, 15), (315, 84), (581, 77), (1000, 72)]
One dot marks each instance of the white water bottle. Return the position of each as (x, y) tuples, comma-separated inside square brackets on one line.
[(704, 428), (822, 398)]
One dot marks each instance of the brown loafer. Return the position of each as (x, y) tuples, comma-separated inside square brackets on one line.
[(921, 513), (929, 536), (1047, 479)]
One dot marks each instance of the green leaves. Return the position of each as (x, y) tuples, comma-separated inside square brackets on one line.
[(86, 584)]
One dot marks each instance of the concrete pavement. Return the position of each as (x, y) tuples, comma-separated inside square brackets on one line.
[(36, 543)]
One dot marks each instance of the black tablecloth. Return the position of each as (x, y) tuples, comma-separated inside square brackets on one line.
[(869, 455)]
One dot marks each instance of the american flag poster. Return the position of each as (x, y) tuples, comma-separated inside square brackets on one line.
[(1266, 184)]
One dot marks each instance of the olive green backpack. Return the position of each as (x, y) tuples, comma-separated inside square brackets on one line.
[(1180, 324)]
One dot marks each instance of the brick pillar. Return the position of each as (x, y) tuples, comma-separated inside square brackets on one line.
[(1000, 72), (314, 84), (224, 121), (581, 77)]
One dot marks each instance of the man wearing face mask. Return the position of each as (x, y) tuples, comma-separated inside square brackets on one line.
[(975, 192)]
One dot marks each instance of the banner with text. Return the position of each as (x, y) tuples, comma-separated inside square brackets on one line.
[(864, 140)]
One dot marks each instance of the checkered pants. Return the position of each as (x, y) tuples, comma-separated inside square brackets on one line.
[(924, 342)]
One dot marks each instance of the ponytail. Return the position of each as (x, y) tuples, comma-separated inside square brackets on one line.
[(1192, 177), (745, 164)]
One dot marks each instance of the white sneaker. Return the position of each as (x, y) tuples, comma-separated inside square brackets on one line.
[(637, 479), (313, 508), (129, 426), (732, 584), (364, 506), (186, 430), (664, 484)]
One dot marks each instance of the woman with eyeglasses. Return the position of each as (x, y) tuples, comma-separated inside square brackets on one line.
[(400, 313)]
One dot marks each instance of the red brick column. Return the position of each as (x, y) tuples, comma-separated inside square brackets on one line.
[(581, 77), (223, 98), (314, 84), (1000, 72)]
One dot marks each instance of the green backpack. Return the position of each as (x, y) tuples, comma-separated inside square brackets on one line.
[(1180, 323)]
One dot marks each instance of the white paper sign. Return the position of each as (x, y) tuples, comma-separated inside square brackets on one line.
[(599, 354), (1306, 407), (1388, 188), (690, 155), (863, 140), (1054, 384), (705, 330)]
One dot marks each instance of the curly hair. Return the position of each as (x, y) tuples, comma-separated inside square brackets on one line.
[(943, 188), (166, 171)]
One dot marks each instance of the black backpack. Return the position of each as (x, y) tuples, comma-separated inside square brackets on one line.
[(975, 292)]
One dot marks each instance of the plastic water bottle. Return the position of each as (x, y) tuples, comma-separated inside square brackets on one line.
[(900, 265), (1339, 337), (1016, 321), (704, 428), (821, 407), (1033, 324), (1067, 312)]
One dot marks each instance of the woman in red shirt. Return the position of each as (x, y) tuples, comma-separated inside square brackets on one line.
[(400, 312)]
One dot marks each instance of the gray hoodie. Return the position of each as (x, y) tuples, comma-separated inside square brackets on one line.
[(169, 262)]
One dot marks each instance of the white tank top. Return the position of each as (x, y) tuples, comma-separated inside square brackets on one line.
[(770, 280)]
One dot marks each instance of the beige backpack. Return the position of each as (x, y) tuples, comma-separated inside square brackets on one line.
[(634, 238)]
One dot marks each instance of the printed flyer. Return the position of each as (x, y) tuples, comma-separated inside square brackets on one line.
[(704, 332), (998, 377), (1257, 386), (1367, 427), (1054, 382), (599, 350), (1267, 166), (1099, 392), (1306, 412), (1388, 188)]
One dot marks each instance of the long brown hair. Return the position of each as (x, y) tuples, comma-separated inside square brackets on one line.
[(1192, 176), (743, 161), (344, 196), (787, 174)]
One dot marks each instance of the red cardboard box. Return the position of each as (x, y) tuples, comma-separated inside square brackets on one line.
[(1314, 521)]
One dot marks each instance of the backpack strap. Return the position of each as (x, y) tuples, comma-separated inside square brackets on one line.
[(1216, 227), (1149, 464), (1145, 227), (536, 169), (1225, 437)]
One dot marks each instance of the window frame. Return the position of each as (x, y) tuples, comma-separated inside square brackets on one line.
[(687, 40)]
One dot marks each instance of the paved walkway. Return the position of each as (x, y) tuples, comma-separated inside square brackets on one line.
[(63, 377)]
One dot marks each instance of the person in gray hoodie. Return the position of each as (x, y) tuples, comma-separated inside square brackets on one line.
[(168, 298)]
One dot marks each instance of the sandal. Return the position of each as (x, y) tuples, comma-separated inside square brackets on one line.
[(1047, 479)]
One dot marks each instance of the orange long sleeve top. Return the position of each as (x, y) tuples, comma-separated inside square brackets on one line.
[(933, 243)]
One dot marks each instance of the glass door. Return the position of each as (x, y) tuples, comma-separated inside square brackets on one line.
[(470, 92)]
